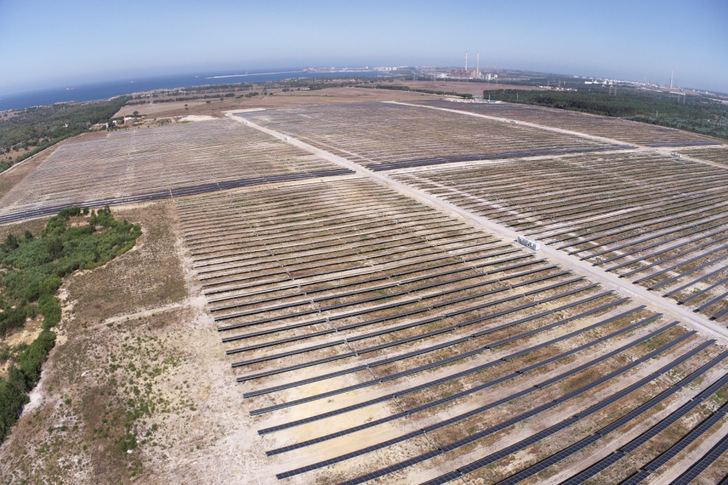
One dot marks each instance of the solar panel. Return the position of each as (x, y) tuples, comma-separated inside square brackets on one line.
[(596, 468), (719, 222), (516, 419), (566, 423), (683, 263), (449, 378), (384, 361), (698, 467), (694, 434)]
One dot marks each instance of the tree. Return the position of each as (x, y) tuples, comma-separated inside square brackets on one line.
[(11, 242), (55, 247)]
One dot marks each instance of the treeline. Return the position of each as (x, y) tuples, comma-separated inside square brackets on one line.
[(34, 268), (400, 87), (181, 98), (697, 113), (39, 127)]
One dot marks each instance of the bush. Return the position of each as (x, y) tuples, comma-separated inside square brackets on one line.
[(50, 308), (32, 358), (21, 379), (11, 405), (12, 318)]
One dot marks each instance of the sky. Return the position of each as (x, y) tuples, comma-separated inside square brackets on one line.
[(51, 43)]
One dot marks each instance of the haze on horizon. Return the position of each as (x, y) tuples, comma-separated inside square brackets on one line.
[(45, 44)]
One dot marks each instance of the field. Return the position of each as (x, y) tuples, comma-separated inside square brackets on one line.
[(319, 301)]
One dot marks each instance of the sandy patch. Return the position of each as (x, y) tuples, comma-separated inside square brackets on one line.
[(193, 118)]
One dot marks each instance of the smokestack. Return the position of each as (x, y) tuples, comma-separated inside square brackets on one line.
[(672, 74), (466, 60), (477, 64)]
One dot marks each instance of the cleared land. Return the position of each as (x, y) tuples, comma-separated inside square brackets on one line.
[(392, 348), (372, 336), (157, 163), (649, 216)]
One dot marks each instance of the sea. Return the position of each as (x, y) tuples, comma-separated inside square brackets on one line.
[(106, 90)]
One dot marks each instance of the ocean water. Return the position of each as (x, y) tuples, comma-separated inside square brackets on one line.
[(106, 90)]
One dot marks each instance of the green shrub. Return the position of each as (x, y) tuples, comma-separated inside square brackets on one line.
[(32, 358), (21, 379), (50, 308), (12, 401), (12, 318)]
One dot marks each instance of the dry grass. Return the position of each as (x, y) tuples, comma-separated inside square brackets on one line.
[(147, 277)]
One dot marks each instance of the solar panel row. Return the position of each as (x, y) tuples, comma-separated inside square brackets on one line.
[(395, 358), (461, 394), (474, 369), (618, 423), (698, 467), (507, 423), (396, 342), (301, 313), (654, 244), (401, 164), (482, 462), (167, 194)]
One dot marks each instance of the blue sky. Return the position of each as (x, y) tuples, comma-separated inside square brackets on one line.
[(55, 43)]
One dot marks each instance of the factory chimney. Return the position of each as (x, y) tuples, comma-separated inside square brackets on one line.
[(672, 74), (477, 65)]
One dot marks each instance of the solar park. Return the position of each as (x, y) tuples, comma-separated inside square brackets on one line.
[(377, 337)]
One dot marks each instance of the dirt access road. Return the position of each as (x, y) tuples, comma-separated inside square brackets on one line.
[(595, 274)]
